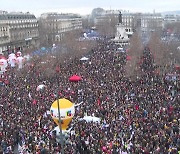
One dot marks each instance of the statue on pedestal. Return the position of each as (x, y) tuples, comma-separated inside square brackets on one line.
[(120, 17)]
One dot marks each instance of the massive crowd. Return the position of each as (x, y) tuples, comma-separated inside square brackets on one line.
[(137, 116)]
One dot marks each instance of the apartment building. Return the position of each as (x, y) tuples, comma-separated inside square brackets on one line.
[(127, 17), (171, 18), (55, 25), (111, 17), (132, 21), (18, 30), (151, 21)]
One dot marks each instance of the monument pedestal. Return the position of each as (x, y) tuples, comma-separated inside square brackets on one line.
[(122, 33), (121, 37)]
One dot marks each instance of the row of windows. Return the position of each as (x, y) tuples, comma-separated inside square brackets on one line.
[(21, 36), (3, 29), (128, 30), (20, 17), (17, 21), (3, 34), (4, 40), (22, 21), (64, 20), (24, 26), (68, 29), (63, 26)]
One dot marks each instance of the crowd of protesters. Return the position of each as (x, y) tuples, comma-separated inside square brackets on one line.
[(137, 116)]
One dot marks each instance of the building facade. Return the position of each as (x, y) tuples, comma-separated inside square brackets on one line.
[(111, 16), (123, 32), (127, 17), (171, 18), (133, 21), (151, 21), (18, 31), (55, 25)]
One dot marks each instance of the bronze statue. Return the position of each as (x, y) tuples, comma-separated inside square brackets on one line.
[(120, 17)]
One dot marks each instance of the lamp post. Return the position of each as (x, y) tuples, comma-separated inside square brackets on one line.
[(61, 136), (59, 116), (171, 61)]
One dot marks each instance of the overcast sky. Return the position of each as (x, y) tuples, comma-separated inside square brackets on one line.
[(84, 7)]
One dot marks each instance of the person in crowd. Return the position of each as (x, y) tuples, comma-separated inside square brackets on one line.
[(137, 116)]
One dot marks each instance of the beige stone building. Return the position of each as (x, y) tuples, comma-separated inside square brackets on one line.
[(111, 16), (53, 26), (131, 21), (151, 21), (18, 30)]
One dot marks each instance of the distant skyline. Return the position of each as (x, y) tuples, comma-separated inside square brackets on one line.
[(83, 7)]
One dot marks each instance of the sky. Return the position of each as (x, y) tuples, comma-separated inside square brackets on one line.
[(85, 7)]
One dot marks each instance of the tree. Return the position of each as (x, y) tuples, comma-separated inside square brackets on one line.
[(173, 28), (107, 25), (87, 23), (134, 52), (160, 51), (96, 12), (173, 54), (45, 32), (76, 48), (173, 46)]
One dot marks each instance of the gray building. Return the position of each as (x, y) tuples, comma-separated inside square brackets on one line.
[(127, 17), (53, 26), (151, 21), (18, 30), (133, 21), (111, 17), (171, 18)]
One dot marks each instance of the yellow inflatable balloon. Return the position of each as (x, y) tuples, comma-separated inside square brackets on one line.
[(67, 111)]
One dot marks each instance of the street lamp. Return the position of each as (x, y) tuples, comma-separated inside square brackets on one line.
[(59, 116), (171, 60), (61, 136)]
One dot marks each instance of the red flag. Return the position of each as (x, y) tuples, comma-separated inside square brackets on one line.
[(57, 69), (99, 102), (6, 81), (128, 58), (137, 107), (34, 102)]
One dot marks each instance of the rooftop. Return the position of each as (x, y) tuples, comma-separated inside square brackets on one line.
[(60, 15), (15, 15)]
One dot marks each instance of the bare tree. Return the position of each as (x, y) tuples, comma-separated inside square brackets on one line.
[(76, 48), (134, 53), (71, 48), (163, 53), (106, 26), (45, 32), (87, 23), (158, 49), (173, 27), (174, 53)]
